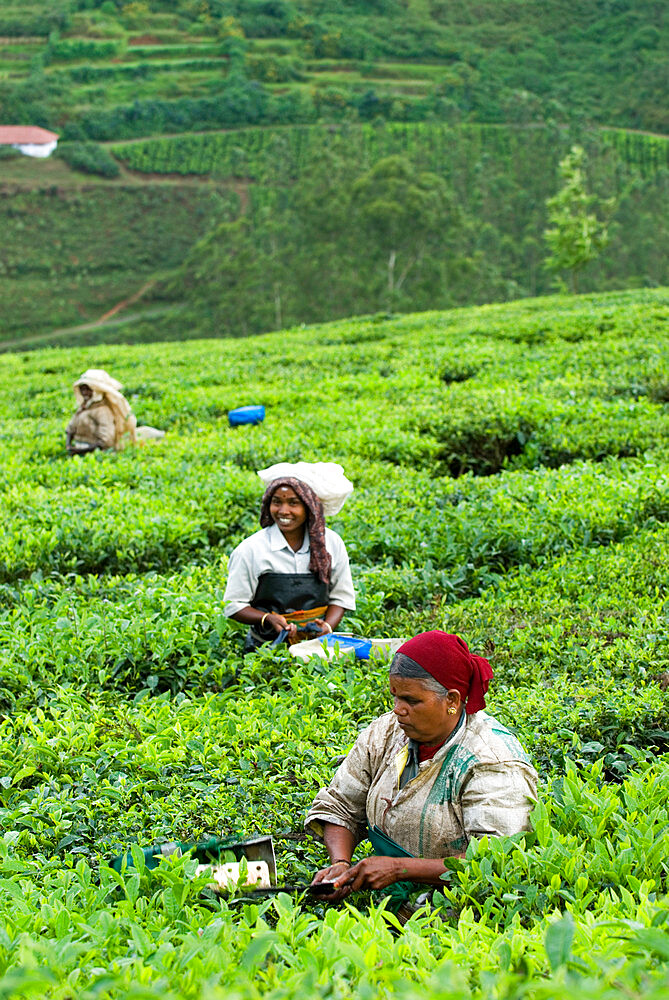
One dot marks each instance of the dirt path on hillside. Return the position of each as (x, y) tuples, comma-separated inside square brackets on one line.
[(140, 177), (127, 302), (43, 339)]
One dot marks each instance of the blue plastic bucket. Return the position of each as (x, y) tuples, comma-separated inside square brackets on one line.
[(361, 647), (246, 415)]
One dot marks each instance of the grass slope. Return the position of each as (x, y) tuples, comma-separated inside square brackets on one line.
[(512, 483), (78, 251)]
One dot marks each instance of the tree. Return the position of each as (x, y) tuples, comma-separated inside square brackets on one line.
[(401, 212), (575, 235), (239, 274)]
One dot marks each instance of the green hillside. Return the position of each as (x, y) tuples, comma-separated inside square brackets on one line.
[(246, 231), (511, 480), (278, 109), (75, 253)]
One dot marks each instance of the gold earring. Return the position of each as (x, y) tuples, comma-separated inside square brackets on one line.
[(451, 711)]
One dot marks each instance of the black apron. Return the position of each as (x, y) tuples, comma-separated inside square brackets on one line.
[(284, 593)]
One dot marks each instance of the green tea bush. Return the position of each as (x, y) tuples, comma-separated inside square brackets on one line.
[(84, 48), (486, 432), (89, 158), (129, 716)]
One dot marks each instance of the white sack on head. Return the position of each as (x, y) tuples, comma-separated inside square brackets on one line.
[(326, 479), (99, 381)]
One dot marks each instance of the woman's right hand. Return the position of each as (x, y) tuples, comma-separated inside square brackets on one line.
[(279, 624)]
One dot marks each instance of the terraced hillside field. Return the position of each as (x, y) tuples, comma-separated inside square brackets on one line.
[(511, 480), (226, 105), (96, 66)]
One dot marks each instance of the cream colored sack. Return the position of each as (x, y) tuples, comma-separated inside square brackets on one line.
[(326, 479)]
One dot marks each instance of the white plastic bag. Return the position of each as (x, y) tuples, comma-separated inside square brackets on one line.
[(383, 649), (326, 479)]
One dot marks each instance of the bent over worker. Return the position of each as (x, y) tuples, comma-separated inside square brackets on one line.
[(424, 779), (103, 419)]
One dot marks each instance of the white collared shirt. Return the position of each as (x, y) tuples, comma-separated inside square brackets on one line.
[(267, 551)]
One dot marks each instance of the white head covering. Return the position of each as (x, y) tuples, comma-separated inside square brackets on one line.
[(326, 479), (105, 387)]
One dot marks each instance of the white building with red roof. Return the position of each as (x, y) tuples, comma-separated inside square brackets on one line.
[(29, 139)]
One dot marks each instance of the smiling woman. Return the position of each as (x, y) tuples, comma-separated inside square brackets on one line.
[(424, 779), (291, 580)]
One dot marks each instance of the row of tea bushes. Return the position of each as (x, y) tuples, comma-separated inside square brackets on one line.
[(377, 355), (578, 647), (476, 403), (472, 533), (85, 774), (149, 942)]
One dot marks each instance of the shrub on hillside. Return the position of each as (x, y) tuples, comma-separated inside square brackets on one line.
[(238, 102), (72, 132), (100, 23), (89, 158), (266, 18), (85, 48), (18, 23)]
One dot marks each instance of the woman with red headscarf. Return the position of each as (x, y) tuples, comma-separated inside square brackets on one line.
[(292, 578), (425, 778)]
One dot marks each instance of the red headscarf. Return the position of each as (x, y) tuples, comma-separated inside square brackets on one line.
[(447, 658)]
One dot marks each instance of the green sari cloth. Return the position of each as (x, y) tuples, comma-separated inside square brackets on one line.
[(384, 846)]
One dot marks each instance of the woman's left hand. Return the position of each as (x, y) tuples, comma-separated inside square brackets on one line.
[(325, 628)]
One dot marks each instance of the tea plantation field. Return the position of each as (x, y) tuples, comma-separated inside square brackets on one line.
[(511, 466)]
